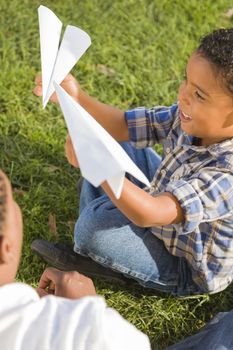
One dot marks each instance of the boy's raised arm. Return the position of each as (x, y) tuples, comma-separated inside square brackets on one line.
[(140, 207), (111, 118)]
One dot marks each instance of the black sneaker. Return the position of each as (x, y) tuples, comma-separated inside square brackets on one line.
[(63, 257)]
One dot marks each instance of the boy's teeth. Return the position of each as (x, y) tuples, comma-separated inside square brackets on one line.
[(186, 116)]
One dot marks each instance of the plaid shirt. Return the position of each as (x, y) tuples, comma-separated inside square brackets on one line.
[(201, 178)]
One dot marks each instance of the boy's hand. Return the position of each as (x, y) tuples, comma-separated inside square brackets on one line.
[(69, 152), (71, 285), (69, 84)]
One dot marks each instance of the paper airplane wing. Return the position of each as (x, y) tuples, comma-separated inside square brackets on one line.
[(57, 63), (50, 30), (116, 183), (100, 156), (74, 44)]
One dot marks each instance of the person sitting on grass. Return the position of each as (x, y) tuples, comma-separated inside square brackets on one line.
[(72, 318), (177, 236)]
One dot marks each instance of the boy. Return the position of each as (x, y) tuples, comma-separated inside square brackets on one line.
[(55, 321), (178, 236)]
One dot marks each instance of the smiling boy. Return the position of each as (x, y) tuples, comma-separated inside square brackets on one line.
[(205, 102), (176, 236)]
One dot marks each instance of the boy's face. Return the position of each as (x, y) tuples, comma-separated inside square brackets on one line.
[(206, 106), (11, 242)]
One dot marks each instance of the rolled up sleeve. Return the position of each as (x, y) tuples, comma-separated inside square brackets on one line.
[(150, 126), (207, 196)]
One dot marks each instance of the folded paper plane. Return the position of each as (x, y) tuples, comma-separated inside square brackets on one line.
[(56, 62), (100, 156)]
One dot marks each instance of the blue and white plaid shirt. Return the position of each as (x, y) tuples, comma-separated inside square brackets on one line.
[(201, 178)]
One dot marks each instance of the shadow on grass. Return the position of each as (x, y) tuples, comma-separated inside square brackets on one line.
[(46, 184)]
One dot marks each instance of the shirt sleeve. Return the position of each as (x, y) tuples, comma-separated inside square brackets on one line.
[(120, 334), (150, 126), (206, 196), (83, 324)]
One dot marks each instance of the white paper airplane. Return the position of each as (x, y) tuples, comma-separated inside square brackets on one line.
[(99, 155), (57, 62)]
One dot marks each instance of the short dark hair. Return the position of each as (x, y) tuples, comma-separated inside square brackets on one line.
[(217, 47), (3, 202)]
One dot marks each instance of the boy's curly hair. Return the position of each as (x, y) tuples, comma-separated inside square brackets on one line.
[(3, 202), (217, 47)]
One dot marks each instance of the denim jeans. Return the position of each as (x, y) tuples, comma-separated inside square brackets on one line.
[(216, 335), (103, 233)]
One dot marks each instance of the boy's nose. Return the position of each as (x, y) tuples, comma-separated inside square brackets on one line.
[(183, 96)]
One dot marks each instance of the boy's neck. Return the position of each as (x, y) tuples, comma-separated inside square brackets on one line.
[(208, 142), (196, 141)]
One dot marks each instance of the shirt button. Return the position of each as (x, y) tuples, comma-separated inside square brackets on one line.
[(163, 172), (168, 149)]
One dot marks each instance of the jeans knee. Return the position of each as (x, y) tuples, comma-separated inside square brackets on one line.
[(84, 227)]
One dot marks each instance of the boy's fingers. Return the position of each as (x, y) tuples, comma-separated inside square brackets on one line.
[(53, 97), (70, 153), (38, 80), (68, 78), (37, 90)]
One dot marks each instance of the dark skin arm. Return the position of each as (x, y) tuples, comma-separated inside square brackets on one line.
[(111, 118), (71, 285), (143, 209), (139, 206), (136, 204)]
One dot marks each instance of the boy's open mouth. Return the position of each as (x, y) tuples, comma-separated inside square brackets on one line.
[(184, 117)]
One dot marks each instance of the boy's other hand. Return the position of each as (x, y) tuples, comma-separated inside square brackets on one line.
[(69, 84), (70, 153), (71, 285)]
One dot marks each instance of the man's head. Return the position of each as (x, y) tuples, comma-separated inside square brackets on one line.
[(206, 96), (10, 232)]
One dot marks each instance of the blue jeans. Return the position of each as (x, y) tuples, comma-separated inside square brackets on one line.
[(216, 335), (103, 233)]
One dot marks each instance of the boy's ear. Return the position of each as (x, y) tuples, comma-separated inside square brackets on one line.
[(6, 253)]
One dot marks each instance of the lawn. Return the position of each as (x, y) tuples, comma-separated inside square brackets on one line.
[(138, 55)]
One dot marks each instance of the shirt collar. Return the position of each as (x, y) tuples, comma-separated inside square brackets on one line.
[(189, 141)]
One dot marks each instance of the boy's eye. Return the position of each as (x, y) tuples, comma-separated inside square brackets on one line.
[(200, 97)]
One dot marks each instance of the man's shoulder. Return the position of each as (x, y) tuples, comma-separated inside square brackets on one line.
[(16, 292)]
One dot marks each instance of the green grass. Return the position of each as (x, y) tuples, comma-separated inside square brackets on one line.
[(146, 45)]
